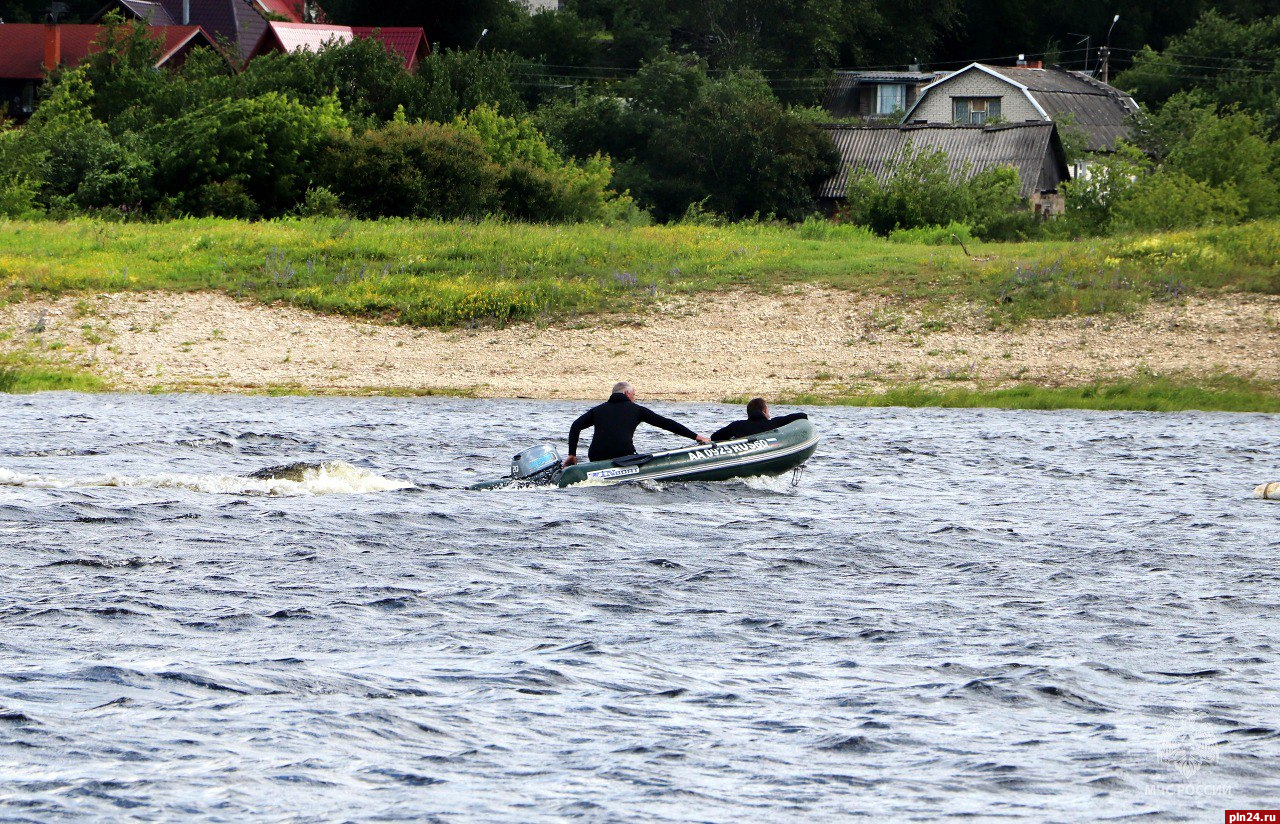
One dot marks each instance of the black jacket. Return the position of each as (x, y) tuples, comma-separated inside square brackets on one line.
[(615, 421), (754, 425)]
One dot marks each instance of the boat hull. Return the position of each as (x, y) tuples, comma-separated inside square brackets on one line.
[(769, 453)]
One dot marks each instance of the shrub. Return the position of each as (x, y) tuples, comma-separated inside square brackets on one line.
[(922, 190), (83, 164), (412, 170), (320, 202), (265, 145), (21, 167), (1169, 199), (1109, 180), (536, 182)]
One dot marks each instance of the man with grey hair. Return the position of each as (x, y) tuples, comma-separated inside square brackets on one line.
[(615, 423)]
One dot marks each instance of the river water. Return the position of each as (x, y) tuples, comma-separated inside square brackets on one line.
[(1039, 615)]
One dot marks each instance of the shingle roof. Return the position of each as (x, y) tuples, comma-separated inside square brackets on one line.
[(407, 43), (1022, 146), (22, 45), (1102, 112), (151, 11)]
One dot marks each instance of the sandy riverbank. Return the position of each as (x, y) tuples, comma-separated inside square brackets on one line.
[(726, 344)]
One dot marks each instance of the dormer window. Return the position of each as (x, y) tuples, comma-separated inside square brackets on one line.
[(974, 111), (890, 98)]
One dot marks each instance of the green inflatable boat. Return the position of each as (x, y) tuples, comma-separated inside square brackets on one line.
[(769, 453)]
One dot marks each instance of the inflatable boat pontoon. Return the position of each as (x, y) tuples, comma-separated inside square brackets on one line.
[(769, 453)]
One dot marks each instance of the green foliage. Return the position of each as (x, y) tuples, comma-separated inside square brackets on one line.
[(83, 164), (423, 170), (536, 183), (454, 82), (682, 138), (1109, 180), (1230, 152), (21, 168), (921, 190), (1209, 169), (320, 202), (122, 73), (1170, 199), (236, 157), (1226, 62)]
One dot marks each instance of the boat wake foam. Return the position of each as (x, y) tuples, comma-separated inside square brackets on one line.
[(327, 478)]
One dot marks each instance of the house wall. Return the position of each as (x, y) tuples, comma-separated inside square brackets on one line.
[(935, 107)]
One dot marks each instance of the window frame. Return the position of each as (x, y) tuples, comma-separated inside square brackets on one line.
[(899, 98), (989, 111)]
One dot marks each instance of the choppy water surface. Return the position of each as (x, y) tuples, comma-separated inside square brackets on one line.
[(1055, 616)]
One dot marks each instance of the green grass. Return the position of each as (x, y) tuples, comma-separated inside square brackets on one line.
[(1147, 394), (447, 274), (23, 375)]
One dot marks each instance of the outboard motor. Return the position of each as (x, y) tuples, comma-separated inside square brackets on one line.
[(536, 465)]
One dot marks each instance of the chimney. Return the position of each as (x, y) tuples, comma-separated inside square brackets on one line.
[(1035, 64), (186, 12), (1022, 61), (52, 46)]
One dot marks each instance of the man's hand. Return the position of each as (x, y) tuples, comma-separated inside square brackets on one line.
[(703, 439), (570, 461)]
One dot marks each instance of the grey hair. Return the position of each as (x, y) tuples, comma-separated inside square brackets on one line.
[(622, 387)]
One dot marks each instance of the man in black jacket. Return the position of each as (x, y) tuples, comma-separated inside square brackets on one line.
[(615, 422), (758, 420)]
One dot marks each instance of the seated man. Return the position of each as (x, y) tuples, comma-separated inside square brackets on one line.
[(615, 422), (758, 420)]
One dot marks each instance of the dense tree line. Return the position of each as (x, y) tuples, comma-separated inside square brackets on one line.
[(345, 129)]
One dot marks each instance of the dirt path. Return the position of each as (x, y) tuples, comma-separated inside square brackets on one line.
[(729, 344)]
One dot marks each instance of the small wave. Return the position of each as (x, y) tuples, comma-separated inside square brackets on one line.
[(328, 478)]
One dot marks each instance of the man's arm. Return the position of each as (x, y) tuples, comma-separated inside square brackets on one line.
[(724, 433), (654, 419), (792, 418), (585, 421)]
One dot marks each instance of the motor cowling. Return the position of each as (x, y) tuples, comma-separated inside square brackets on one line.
[(536, 463)]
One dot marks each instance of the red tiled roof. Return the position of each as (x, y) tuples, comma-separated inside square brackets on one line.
[(409, 44), (291, 9), (22, 45)]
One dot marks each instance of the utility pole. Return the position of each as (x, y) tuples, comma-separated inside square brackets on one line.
[(1106, 51)]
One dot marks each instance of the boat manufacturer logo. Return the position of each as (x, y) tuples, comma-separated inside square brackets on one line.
[(601, 474)]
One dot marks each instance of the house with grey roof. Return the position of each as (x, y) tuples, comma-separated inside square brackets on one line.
[(874, 95), (979, 94), (1032, 149)]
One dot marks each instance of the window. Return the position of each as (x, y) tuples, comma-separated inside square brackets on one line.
[(28, 98), (890, 98), (975, 110)]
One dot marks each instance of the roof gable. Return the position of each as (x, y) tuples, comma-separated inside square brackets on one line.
[(407, 43), (1102, 112), (980, 68), (1026, 147)]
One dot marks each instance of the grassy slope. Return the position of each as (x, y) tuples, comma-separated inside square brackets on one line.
[(441, 274), (1224, 393), (433, 274)]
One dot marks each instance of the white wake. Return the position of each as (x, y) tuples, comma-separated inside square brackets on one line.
[(328, 478)]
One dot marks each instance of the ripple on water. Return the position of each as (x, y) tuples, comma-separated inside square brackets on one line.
[(956, 613)]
